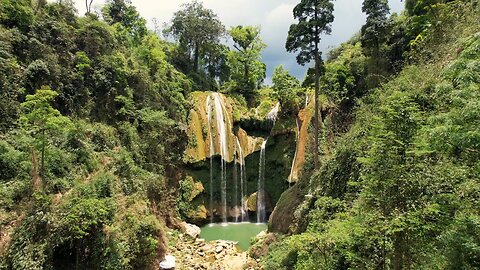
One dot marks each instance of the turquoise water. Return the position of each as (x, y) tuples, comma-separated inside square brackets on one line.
[(240, 232)]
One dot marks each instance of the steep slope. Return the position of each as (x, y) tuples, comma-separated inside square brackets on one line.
[(400, 189)]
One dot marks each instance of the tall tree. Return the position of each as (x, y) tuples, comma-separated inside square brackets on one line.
[(374, 34), (314, 19), (196, 28), (123, 12), (248, 71), (42, 119)]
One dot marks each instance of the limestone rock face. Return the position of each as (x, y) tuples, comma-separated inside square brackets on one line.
[(252, 202), (249, 144), (198, 148), (200, 215), (303, 120)]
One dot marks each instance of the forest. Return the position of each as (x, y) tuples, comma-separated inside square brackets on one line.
[(115, 138)]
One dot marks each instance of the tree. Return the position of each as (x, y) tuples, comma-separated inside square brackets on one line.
[(248, 71), (284, 88), (374, 33), (88, 5), (314, 19), (42, 119), (196, 28), (121, 11)]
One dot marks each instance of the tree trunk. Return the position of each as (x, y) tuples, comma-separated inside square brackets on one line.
[(88, 4), (42, 173), (195, 58), (317, 89), (398, 251), (246, 73), (36, 180)]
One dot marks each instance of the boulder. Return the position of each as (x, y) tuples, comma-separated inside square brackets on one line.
[(168, 262), (191, 230), (252, 202)]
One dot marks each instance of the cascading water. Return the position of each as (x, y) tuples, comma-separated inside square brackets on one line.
[(272, 115), (222, 137), (212, 152), (243, 182), (261, 211), (261, 207), (221, 128), (235, 184)]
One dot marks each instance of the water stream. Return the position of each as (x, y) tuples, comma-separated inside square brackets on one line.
[(243, 182), (261, 211), (212, 152), (222, 138)]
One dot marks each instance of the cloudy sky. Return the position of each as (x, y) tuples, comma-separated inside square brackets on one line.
[(273, 16)]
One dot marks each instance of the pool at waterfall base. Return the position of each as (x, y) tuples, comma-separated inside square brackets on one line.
[(242, 232)]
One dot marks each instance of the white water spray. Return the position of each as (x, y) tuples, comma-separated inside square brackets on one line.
[(212, 152), (243, 182), (222, 137), (261, 211), (273, 114), (214, 103)]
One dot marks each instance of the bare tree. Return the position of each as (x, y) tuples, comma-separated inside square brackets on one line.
[(88, 5)]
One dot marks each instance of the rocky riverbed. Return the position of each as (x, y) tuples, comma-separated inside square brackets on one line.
[(196, 253)]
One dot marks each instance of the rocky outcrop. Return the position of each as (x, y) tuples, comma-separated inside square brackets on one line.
[(252, 202), (282, 216), (214, 255), (191, 230), (304, 119), (198, 147)]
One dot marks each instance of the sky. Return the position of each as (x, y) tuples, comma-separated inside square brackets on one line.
[(273, 16)]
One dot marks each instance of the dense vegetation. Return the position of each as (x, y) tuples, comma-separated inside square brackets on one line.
[(93, 116), (400, 188), (93, 128)]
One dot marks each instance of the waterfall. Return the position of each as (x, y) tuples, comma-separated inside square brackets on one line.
[(243, 182), (272, 115), (261, 211), (221, 120), (306, 99), (222, 137), (212, 152), (235, 183)]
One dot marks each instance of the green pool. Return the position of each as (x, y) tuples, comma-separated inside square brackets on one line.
[(240, 232)]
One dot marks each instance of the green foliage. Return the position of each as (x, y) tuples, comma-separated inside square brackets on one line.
[(15, 13), (345, 73), (285, 89), (400, 188), (198, 32), (247, 70), (315, 18), (120, 11), (105, 108), (186, 188), (374, 35)]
